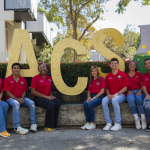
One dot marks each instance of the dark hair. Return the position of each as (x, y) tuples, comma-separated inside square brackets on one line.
[(98, 74), (146, 59), (16, 64), (114, 59)]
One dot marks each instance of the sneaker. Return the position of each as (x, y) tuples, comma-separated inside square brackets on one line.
[(107, 127), (49, 129), (5, 134), (91, 126), (33, 127), (144, 124), (148, 129), (116, 127), (84, 127), (138, 124), (21, 130)]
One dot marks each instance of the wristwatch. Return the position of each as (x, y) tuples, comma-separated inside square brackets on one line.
[(118, 93)]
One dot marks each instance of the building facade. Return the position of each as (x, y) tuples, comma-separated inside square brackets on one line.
[(22, 14)]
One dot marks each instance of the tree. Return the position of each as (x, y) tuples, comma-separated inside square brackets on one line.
[(74, 14), (131, 44)]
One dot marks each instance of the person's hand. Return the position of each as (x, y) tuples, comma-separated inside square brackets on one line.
[(52, 97), (89, 99), (114, 95), (48, 97), (20, 100), (0, 100), (147, 97), (138, 93), (109, 96), (129, 92)]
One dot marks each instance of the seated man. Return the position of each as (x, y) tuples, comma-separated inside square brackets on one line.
[(146, 90), (116, 86), (15, 87)]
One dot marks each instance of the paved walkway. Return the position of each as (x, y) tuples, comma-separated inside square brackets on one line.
[(76, 139)]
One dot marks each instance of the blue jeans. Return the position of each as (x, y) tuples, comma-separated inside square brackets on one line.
[(15, 113), (133, 100), (115, 102), (146, 105), (89, 107), (3, 114)]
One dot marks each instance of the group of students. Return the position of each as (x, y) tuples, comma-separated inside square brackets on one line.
[(15, 87), (119, 87)]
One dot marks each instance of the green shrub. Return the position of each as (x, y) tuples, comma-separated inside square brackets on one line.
[(70, 71)]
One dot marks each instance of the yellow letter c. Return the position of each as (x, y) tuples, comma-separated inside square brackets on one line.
[(55, 67)]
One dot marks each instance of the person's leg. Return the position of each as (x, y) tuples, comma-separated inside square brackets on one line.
[(50, 110), (146, 105), (131, 102), (91, 106), (3, 114), (32, 109), (57, 107), (86, 112), (15, 112), (105, 102), (115, 102)]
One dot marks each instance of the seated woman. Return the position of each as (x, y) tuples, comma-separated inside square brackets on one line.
[(135, 95), (96, 90), (3, 113), (41, 88)]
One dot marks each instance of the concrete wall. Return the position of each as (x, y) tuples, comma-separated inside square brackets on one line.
[(71, 115)]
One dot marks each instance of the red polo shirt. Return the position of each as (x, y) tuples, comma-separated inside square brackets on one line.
[(95, 86), (42, 85), (114, 83), (1, 84), (15, 88), (146, 81), (135, 81)]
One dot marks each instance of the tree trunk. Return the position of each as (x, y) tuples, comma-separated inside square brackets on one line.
[(75, 37)]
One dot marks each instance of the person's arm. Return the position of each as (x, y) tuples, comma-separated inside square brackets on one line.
[(36, 93), (12, 96), (120, 92), (1, 94), (129, 92), (99, 94), (140, 91), (108, 94), (51, 96), (146, 93)]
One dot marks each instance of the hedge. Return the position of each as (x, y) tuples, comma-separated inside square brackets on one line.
[(70, 71)]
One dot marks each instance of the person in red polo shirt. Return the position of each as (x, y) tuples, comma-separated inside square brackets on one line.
[(3, 113), (95, 95), (146, 90), (15, 87), (41, 88), (116, 86), (135, 95)]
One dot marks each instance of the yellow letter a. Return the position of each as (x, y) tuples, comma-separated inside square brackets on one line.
[(22, 38)]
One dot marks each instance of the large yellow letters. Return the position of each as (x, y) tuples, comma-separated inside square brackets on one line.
[(21, 37)]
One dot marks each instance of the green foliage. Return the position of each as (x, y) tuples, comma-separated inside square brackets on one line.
[(70, 71), (122, 4), (131, 44)]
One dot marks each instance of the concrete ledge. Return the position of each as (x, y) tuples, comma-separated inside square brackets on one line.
[(71, 115)]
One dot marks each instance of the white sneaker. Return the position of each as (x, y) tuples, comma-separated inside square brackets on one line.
[(116, 127), (107, 127), (144, 124), (33, 127), (138, 124), (21, 130), (91, 126), (84, 127)]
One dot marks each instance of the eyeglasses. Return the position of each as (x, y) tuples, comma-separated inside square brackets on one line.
[(132, 65), (114, 63)]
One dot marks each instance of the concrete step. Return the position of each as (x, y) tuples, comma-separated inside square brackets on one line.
[(71, 115)]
